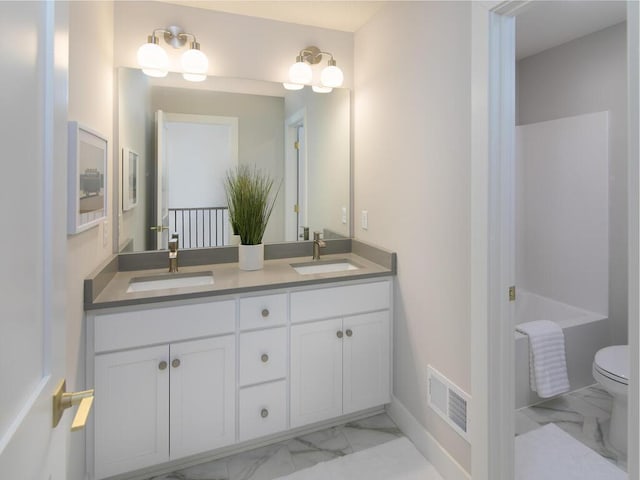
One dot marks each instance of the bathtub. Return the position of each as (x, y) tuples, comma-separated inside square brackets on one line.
[(585, 333)]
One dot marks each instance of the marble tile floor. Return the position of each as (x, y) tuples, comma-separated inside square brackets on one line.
[(284, 458), (584, 414)]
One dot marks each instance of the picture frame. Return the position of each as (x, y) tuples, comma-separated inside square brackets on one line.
[(130, 175), (87, 181)]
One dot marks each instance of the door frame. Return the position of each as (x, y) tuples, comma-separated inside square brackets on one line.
[(292, 123), (492, 253)]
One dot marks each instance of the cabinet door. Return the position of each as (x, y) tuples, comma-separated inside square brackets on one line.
[(131, 410), (366, 360), (316, 372), (202, 395)]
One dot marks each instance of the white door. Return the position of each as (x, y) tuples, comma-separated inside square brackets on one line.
[(198, 152), (316, 371), (131, 410), (366, 358), (162, 198), (203, 378), (32, 189)]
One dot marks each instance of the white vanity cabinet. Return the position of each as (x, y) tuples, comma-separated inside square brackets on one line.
[(339, 365), (184, 378), (159, 403)]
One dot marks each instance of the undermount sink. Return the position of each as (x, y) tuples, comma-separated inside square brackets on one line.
[(170, 280), (324, 266)]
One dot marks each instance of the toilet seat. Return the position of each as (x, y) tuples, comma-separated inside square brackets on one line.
[(613, 363)]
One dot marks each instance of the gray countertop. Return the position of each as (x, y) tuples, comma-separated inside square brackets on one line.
[(229, 279)]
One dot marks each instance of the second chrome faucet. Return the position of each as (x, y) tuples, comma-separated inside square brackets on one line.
[(317, 244), (173, 253)]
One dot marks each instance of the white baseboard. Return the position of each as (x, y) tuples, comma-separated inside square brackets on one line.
[(426, 443)]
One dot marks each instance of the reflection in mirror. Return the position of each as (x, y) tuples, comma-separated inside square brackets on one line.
[(187, 138)]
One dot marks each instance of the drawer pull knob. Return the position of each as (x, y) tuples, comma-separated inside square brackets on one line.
[(264, 358), (339, 334), (162, 365), (349, 332), (175, 363), (265, 312), (264, 413)]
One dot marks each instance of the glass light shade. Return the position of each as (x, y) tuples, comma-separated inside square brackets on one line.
[(331, 76), (293, 86), (194, 65), (153, 60), (300, 72), (321, 89)]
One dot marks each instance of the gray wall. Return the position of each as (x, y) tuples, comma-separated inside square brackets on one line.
[(412, 110), (260, 131), (583, 76)]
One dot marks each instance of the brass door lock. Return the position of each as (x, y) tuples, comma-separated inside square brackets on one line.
[(63, 400)]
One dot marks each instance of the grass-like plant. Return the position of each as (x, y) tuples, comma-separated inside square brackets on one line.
[(251, 198)]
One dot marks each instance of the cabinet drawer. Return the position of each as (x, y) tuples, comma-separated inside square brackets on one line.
[(263, 311), (122, 330), (263, 410), (339, 301), (263, 355)]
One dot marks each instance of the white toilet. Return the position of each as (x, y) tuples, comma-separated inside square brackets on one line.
[(611, 371)]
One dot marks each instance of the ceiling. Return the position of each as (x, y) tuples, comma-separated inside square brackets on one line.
[(539, 26), (346, 16), (546, 24)]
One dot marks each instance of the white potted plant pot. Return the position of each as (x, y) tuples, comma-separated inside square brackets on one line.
[(251, 257)]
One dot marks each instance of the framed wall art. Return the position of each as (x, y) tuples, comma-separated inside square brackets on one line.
[(130, 173), (87, 192)]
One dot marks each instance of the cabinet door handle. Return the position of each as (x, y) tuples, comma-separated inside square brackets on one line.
[(265, 312), (264, 413), (162, 365), (339, 334), (349, 332), (264, 358), (175, 363)]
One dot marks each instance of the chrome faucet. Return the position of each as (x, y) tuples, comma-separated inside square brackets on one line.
[(173, 253), (317, 244)]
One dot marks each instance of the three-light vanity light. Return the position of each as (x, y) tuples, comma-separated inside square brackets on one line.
[(301, 74), (154, 61)]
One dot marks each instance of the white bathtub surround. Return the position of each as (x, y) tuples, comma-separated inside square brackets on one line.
[(547, 361), (584, 332), (550, 453), (584, 414), (394, 460), (562, 210)]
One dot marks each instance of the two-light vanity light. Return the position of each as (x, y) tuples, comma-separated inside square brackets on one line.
[(301, 74), (154, 61)]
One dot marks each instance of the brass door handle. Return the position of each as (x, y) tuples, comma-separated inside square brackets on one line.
[(158, 228), (349, 332), (265, 313), (63, 400), (339, 334), (175, 363), (264, 413), (264, 358)]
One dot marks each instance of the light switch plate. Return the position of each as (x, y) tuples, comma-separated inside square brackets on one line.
[(344, 215), (365, 219)]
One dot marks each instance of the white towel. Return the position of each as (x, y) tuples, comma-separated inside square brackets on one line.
[(547, 360)]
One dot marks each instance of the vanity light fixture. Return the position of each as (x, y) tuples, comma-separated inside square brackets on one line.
[(300, 72), (321, 89), (155, 61)]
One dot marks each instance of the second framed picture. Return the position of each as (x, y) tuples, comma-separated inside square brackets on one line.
[(130, 167)]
